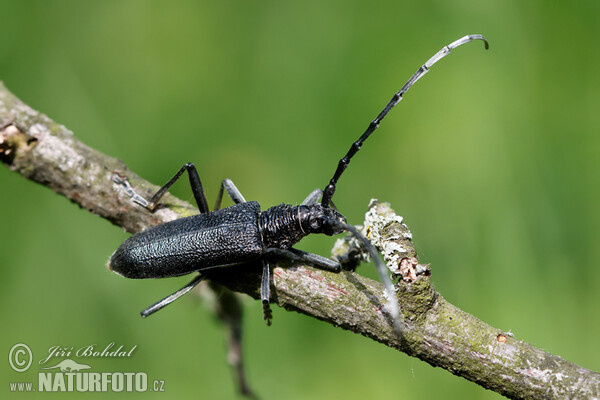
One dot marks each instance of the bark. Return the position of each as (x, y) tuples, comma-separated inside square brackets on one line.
[(435, 331)]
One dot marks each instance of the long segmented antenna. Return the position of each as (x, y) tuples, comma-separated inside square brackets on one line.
[(343, 163), (383, 272)]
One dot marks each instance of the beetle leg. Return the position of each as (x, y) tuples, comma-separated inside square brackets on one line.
[(313, 197), (265, 292), (123, 181), (195, 183), (232, 191), (317, 260), (305, 257), (171, 298)]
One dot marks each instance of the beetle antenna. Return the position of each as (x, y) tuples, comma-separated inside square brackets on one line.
[(343, 163), (382, 270)]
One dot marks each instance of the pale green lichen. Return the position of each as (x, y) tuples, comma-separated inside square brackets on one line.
[(388, 233)]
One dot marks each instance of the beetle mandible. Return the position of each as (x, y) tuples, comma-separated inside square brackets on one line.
[(242, 233)]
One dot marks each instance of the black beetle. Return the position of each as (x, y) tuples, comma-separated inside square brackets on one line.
[(242, 233)]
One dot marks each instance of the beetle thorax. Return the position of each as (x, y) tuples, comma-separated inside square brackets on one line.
[(284, 225)]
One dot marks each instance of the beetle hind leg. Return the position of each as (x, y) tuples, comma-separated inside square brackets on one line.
[(195, 184), (151, 204), (172, 297)]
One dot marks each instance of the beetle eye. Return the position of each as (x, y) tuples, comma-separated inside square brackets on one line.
[(316, 223)]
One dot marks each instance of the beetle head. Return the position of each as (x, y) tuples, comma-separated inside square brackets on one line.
[(325, 220)]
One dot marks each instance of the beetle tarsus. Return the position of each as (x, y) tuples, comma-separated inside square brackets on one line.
[(136, 198)]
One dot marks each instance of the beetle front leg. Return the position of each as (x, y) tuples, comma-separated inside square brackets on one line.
[(313, 197), (265, 292), (301, 256)]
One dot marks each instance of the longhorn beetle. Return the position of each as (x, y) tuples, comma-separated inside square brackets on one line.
[(243, 233)]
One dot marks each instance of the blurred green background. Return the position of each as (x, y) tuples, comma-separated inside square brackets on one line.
[(492, 159)]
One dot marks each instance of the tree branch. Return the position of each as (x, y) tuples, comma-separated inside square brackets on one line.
[(435, 331)]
